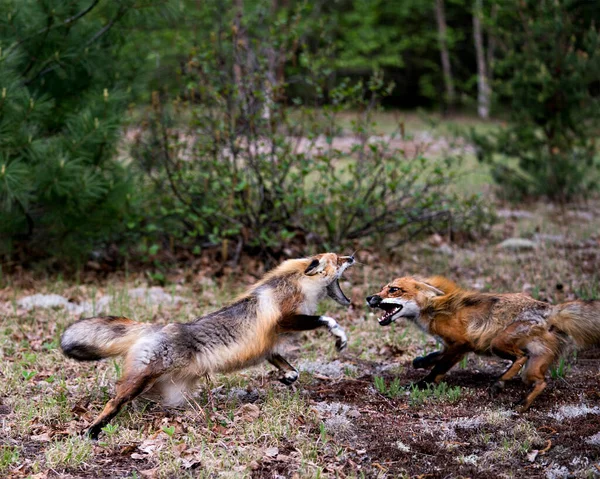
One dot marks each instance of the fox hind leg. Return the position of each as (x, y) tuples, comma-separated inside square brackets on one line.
[(511, 344), (535, 374), (543, 351), (290, 373), (128, 387), (510, 373)]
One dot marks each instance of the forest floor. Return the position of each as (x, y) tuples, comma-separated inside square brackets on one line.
[(351, 414)]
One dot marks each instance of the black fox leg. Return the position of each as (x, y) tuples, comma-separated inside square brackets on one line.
[(443, 364), (290, 373), (128, 388), (305, 322), (425, 362)]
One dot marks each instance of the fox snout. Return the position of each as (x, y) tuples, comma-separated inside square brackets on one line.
[(346, 260), (374, 301)]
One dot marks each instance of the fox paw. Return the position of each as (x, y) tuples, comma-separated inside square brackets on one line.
[(419, 363), (341, 343), (521, 405), (496, 388), (289, 378), (93, 432)]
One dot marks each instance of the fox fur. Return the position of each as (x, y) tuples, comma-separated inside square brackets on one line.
[(166, 361), (514, 326)]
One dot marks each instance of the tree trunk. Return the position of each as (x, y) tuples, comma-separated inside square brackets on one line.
[(491, 47), (445, 55), (483, 89), (239, 43)]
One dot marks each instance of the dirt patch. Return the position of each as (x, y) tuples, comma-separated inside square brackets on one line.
[(439, 439)]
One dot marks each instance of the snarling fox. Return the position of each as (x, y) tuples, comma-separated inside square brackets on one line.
[(166, 361), (516, 327)]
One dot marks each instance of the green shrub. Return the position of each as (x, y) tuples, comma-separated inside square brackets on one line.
[(253, 170), (549, 69)]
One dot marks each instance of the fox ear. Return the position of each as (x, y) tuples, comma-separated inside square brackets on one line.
[(314, 267), (429, 289)]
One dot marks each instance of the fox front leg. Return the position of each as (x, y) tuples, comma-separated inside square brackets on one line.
[(425, 362), (447, 358), (334, 328), (306, 322), (290, 373)]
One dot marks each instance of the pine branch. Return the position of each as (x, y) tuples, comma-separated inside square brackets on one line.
[(120, 13), (67, 22)]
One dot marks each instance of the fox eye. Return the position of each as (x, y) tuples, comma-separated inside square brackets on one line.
[(393, 289)]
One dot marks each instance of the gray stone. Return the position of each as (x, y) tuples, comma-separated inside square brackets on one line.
[(517, 244)]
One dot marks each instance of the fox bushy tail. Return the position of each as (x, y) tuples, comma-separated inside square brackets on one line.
[(580, 320), (92, 339)]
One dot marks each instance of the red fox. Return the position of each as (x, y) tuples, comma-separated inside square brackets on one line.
[(515, 326), (167, 360)]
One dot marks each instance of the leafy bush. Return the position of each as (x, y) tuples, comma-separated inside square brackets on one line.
[(549, 70), (249, 171)]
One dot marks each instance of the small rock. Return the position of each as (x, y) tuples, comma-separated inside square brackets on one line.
[(517, 244), (43, 301), (514, 214), (446, 250), (154, 295), (271, 451), (333, 369)]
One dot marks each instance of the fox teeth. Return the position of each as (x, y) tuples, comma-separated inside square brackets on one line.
[(388, 314)]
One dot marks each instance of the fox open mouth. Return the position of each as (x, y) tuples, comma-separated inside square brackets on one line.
[(335, 292), (391, 313), (333, 289)]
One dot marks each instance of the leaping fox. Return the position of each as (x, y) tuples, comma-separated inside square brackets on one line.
[(517, 327), (168, 360)]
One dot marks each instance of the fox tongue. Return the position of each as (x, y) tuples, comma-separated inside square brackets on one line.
[(335, 292)]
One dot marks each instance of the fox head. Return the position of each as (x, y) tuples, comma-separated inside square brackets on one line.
[(405, 297), (323, 271)]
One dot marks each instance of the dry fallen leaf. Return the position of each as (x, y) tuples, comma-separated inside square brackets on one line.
[(150, 473), (44, 437), (249, 412), (128, 448), (532, 455)]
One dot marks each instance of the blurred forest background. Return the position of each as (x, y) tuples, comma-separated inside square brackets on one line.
[(149, 132)]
